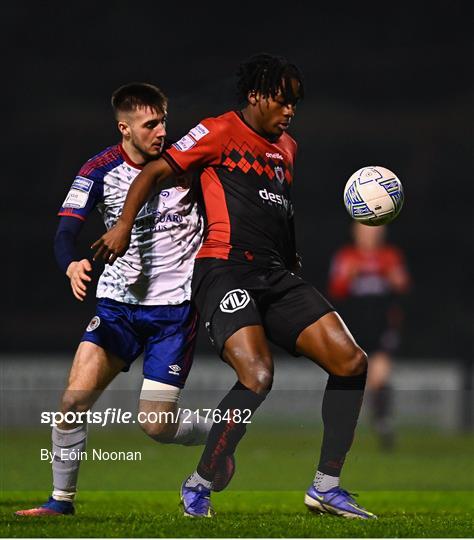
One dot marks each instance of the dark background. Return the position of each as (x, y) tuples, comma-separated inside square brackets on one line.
[(390, 87)]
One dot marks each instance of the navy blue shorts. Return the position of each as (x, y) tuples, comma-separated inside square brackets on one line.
[(166, 335)]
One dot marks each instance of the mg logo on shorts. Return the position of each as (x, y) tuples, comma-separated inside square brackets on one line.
[(234, 300)]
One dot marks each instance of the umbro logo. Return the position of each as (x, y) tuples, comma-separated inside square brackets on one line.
[(234, 300), (174, 369)]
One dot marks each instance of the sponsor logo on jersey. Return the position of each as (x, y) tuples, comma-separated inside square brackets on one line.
[(174, 369), (79, 193), (234, 300), (276, 155), (198, 132), (150, 221), (95, 321), (280, 175), (185, 143), (84, 184), (274, 198)]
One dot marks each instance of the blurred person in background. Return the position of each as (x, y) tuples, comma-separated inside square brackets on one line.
[(368, 280)]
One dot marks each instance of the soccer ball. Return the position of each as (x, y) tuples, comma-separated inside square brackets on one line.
[(373, 196)]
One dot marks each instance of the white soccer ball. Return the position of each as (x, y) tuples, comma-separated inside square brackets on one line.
[(373, 196)]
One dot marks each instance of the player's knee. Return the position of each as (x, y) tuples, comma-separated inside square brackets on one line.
[(163, 432), (74, 402), (259, 379), (355, 364)]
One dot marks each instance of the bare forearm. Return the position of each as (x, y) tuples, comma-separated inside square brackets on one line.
[(114, 243), (140, 191)]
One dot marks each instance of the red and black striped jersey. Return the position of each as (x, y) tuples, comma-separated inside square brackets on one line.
[(245, 182)]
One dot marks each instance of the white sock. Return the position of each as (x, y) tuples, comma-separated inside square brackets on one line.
[(67, 447), (324, 482), (195, 480), (193, 432)]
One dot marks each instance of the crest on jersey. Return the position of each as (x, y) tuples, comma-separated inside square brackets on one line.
[(234, 300), (95, 321), (280, 174)]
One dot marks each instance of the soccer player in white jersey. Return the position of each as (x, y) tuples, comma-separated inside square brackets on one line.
[(143, 299)]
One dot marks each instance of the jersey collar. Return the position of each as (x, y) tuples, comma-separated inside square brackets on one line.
[(127, 158)]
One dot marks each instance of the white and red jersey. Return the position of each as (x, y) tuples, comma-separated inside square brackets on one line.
[(158, 266)]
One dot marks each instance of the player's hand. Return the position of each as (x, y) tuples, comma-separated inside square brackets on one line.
[(114, 243), (77, 274)]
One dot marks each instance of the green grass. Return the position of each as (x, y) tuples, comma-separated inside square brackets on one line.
[(270, 457), (422, 489), (243, 514)]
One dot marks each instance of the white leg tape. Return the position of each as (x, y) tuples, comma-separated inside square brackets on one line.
[(158, 391)]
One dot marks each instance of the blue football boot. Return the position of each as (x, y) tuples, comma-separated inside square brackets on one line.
[(336, 501), (196, 501), (50, 508)]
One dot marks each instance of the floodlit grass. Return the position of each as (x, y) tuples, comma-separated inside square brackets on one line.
[(243, 514), (422, 489)]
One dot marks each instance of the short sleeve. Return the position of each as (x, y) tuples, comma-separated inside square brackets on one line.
[(200, 147)]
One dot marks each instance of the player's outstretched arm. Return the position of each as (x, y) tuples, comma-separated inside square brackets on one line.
[(114, 243)]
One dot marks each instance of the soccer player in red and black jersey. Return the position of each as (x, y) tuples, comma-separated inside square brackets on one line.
[(243, 283), (367, 282)]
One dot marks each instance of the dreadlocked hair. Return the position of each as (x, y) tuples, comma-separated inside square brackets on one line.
[(269, 75)]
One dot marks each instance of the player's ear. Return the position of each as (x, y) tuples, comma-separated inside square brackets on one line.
[(124, 128), (252, 97)]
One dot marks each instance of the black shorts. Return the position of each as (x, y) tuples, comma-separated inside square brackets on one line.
[(230, 295)]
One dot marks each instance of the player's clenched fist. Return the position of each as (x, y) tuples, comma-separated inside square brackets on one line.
[(114, 243), (77, 274)]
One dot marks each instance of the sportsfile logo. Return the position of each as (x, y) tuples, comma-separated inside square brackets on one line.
[(274, 198), (234, 300)]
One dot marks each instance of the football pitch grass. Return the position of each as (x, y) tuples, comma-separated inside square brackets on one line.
[(424, 488), (244, 514)]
